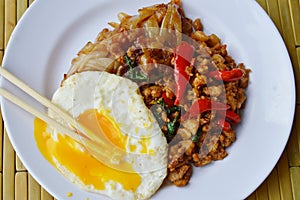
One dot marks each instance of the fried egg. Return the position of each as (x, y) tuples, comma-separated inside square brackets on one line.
[(112, 107)]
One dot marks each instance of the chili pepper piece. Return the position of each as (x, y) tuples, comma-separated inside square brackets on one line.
[(183, 57), (227, 76), (203, 105), (168, 101), (200, 106), (225, 125), (233, 117)]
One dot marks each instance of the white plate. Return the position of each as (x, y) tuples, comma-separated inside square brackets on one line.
[(52, 32)]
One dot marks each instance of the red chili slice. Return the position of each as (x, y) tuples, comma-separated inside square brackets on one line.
[(227, 76), (183, 57)]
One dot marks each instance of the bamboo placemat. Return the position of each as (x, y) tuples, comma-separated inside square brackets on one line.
[(282, 184)]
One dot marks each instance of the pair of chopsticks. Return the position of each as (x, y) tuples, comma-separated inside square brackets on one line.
[(98, 148)]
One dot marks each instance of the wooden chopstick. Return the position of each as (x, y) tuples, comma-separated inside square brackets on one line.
[(46, 102), (93, 143), (92, 147), (4, 93)]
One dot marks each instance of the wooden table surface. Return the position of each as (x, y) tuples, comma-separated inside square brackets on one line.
[(282, 184)]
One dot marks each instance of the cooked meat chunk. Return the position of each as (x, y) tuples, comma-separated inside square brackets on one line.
[(181, 175)]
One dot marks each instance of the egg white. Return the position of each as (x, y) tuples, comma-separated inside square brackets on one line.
[(120, 98)]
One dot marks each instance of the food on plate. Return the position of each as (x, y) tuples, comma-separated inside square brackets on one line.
[(184, 82), (98, 102), (187, 78)]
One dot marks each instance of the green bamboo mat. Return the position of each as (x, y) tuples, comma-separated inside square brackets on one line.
[(282, 184)]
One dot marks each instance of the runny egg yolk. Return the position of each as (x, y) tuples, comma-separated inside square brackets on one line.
[(88, 169)]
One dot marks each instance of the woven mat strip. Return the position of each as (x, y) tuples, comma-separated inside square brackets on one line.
[(8, 169), (252, 196), (21, 186), (19, 164), (45, 195), (1, 25), (262, 192), (273, 185), (262, 3), (297, 72), (295, 10), (294, 142), (22, 5), (284, 177), (288, 35), (8, 152), (295, 169), (273, 12), (1, 186), (9, 19), (295, 179), (34, 189)]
